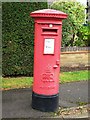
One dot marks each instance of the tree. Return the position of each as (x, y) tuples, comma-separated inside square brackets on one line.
[(73, 23)]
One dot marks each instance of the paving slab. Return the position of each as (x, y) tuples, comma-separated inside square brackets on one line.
[(74, 93)]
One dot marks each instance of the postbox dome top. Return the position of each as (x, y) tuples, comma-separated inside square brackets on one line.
[(49, 13)]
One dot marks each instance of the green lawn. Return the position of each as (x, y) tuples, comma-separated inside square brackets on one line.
[(18, 82), (23, 82), (74, 76)]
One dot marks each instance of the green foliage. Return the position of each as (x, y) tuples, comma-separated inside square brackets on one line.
[(72, 24), (84, 35), (18, 37)]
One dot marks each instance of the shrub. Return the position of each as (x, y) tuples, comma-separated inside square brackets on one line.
[(18, 37)]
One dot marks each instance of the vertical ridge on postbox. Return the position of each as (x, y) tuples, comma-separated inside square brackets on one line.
[(48, 32)]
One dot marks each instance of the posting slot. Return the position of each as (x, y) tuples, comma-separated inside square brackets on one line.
[(49, 30)]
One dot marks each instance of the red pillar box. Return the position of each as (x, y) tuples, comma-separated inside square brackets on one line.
[(47, 43)]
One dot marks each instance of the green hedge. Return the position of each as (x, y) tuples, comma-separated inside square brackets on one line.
[(18, 37)]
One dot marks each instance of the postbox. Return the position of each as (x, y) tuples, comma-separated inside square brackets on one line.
[(47, 44)]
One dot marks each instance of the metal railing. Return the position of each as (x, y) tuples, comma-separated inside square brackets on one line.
[(66, 49)]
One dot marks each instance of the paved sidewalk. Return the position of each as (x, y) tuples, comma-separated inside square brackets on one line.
[(17, 103)]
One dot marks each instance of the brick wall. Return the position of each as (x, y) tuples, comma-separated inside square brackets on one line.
[(75, 59)]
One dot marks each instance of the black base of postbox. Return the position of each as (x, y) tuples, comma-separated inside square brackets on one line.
[(45, 103)]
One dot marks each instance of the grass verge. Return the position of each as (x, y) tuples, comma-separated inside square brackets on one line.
[(18, 82), (74, 76), (26, 82)]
